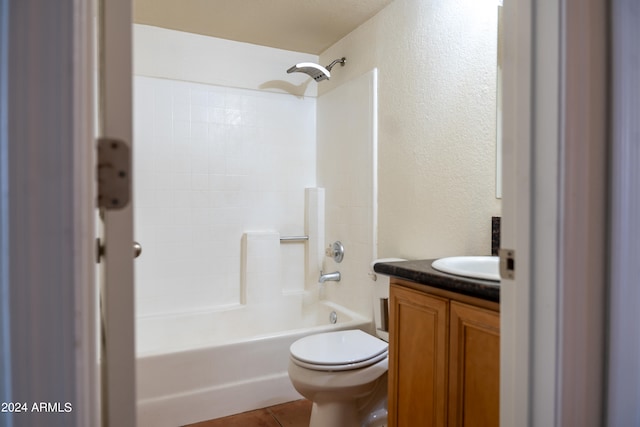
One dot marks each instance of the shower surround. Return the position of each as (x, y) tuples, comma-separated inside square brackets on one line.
[(228, 158), (211, 163)]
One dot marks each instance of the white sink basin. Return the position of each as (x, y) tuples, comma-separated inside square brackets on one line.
[(476, 267)]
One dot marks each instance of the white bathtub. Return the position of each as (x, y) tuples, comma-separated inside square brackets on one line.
[(207, 365)]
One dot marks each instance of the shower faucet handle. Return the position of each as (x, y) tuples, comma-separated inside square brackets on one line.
[(335, 251)]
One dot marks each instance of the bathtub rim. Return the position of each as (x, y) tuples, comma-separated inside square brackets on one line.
[(354, 319)]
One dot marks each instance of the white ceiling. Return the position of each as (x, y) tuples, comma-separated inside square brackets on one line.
[(309, 26)]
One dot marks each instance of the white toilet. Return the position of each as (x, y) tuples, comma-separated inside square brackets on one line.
[(344, 373)]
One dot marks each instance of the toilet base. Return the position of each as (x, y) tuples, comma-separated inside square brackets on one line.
[(366, 412), (334, 414)]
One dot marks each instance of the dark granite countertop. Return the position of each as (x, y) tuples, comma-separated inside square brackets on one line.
[(420, 271)]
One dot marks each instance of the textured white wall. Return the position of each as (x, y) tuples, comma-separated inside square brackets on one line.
[(436, 129)]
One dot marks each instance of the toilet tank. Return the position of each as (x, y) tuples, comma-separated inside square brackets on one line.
[(381, 299)]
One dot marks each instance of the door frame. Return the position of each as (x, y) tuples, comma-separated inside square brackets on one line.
[(554, 212), (623, 385), (47, 203)]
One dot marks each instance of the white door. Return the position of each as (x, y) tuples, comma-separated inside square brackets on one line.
[(116, 227), (515, 294)]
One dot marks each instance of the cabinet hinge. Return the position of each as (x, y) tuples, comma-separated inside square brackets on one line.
[(114, 174), (507, 263)]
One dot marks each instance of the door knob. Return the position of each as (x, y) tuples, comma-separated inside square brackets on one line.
[(137, 249)]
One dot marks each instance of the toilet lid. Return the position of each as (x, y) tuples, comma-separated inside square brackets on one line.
[(338, 350)]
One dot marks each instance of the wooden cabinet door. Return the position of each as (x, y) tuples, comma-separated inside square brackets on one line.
[(474, 364), (417, 359)]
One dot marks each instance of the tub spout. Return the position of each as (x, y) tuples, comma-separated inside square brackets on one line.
[(334, 277)]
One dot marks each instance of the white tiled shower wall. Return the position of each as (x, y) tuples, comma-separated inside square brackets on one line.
[(225, 145), (211, 163)]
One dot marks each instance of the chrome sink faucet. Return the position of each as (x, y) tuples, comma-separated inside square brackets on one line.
[(333, 277)]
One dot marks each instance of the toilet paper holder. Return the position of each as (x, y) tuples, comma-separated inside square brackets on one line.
[(384, 315)]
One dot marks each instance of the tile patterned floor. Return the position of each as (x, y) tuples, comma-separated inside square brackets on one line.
[(292, 414)]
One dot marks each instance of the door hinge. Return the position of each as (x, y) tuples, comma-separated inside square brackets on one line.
[(507, 263), (114, 174), (100, 250)]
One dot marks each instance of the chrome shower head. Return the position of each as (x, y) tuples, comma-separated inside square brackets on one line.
[(317, 72)]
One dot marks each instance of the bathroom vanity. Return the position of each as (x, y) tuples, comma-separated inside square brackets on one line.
[(444, 347)]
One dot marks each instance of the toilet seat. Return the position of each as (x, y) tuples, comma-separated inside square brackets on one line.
[(338, 351)]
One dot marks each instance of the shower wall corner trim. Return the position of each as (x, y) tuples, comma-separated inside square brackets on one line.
[(314, 227)]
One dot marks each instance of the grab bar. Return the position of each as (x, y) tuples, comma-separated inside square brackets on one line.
[(293, 239)]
